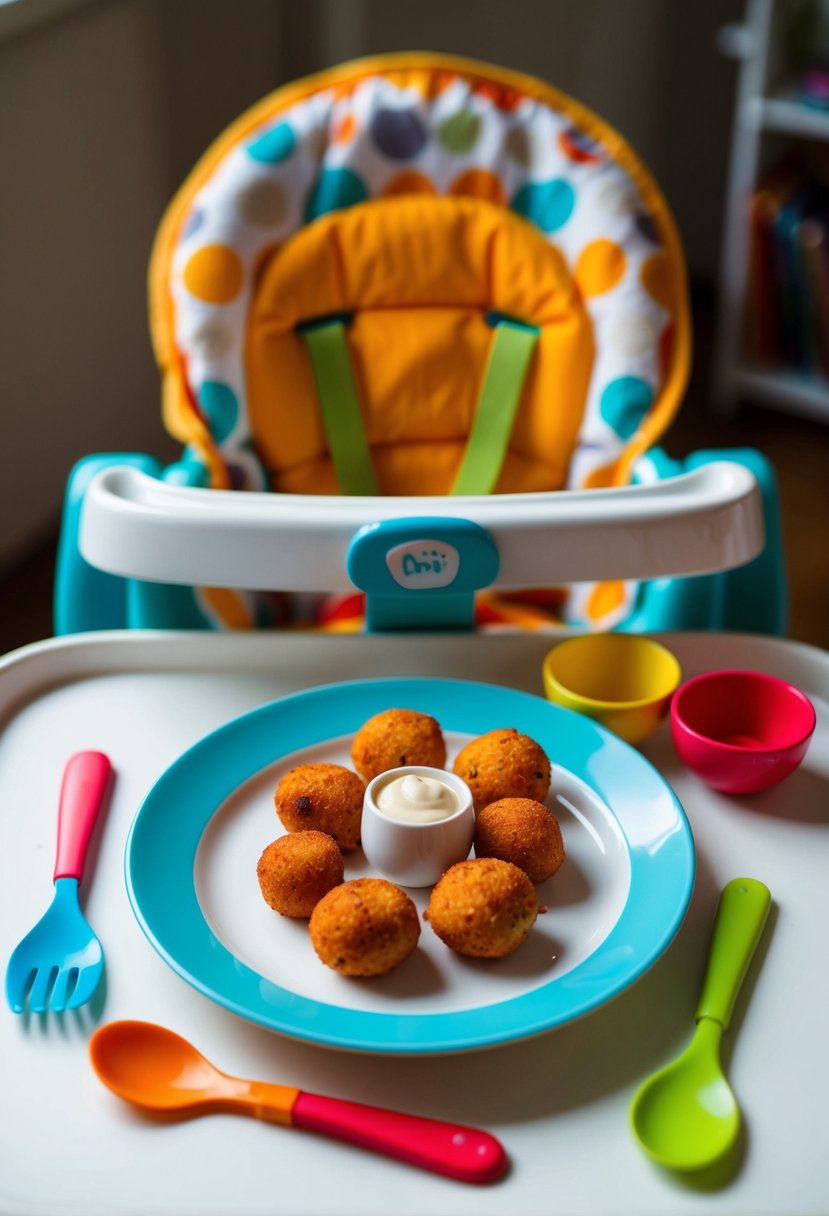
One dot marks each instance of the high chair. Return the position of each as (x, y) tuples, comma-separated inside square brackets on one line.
[(432, 317)]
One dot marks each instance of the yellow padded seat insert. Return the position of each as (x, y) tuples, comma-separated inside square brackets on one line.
[(418, 277)]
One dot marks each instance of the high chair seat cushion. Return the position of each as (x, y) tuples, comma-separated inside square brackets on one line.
[(420, 280), (326, 178), (422, 126)]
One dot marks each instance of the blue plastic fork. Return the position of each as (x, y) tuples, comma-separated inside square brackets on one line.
[(59, 963)]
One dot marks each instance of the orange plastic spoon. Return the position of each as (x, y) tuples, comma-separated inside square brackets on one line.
[(157, 1070)]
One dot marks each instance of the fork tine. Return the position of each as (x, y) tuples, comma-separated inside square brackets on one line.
[(41, 985), (14, 1002), (18, 984), (88, 978), (64, 985)]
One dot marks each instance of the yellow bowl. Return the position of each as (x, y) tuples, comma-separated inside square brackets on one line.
[(623, 680)]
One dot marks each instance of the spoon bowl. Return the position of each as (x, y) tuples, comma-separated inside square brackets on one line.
[(157, 1070), (686, 1116), (160, 1072), (695, 1084)]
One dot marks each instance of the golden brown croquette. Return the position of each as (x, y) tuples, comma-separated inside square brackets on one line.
[(395, 738), (504, 764), (325, 797), (483, 908), (296, 870), (365, 927), (522, 831)]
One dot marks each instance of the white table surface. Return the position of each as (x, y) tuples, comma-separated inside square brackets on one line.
[(558, 1102)]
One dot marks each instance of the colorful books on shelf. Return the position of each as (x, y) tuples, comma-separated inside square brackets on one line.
[(788, 306)]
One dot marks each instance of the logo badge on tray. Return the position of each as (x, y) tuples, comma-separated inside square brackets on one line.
[(422, 565)]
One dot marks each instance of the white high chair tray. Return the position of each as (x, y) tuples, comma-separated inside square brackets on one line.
[(558, 1102)]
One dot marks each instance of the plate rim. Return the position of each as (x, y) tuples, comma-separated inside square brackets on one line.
[(459, 1030)]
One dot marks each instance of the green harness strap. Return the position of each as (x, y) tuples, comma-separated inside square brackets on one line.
[(341, 418), (512, 348)]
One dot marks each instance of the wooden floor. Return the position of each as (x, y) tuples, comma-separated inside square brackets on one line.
[(798, 449)]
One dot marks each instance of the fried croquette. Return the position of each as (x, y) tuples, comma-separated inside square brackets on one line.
[(296, 870), (483, 908), (365, 927), (324, 797), (504, 764), (395, 738), (522, 831)]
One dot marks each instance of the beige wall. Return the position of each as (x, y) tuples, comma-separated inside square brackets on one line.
[(106, 104), (103, 109), (83, 182)]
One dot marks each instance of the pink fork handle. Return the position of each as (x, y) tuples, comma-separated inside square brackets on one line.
[(85, 781), (447, 1148)]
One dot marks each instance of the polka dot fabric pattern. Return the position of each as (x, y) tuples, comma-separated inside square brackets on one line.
[(426, 125)]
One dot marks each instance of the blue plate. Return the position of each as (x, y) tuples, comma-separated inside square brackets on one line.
[(654, 839)]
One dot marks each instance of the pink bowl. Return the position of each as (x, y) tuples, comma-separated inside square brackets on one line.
[(741, 731)]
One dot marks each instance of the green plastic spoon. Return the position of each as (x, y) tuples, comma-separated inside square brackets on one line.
[(685, 1116)]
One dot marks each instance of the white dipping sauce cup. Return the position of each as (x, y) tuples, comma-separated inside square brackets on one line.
[(416, 854)]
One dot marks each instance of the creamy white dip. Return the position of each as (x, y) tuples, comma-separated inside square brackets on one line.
[(413, 799)]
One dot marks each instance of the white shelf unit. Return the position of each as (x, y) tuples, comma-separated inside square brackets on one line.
[(784, 113), (760, 112)]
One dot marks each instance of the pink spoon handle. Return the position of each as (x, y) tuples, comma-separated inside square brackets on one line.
[(82, 791), (447, 1148)]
